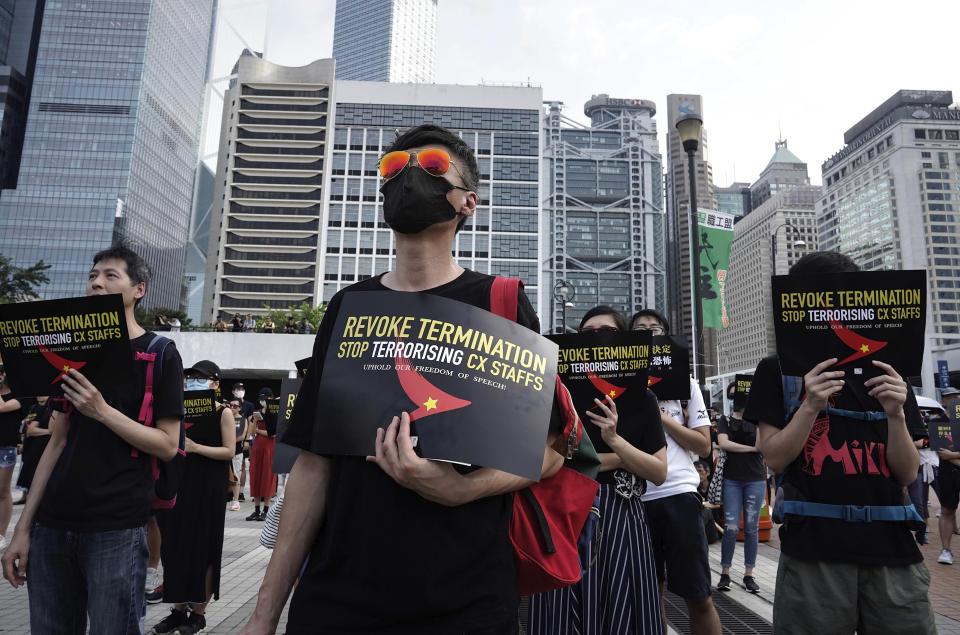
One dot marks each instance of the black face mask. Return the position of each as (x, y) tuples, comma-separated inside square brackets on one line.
[(414, 200)]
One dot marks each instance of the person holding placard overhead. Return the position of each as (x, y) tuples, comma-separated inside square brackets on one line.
[(192, 530), (848, 559)]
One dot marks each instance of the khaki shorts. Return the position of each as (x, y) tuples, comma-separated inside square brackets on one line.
[(840, 598)]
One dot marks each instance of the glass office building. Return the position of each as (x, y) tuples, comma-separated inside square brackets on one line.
[(386, 40), (502, 124), (111, 142), (603, 218)]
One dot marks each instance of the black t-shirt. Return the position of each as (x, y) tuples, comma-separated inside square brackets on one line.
[(638, 424), (39, 414), (10, 425), (97, 485), (843, 462), (387, 560), (741, 466)]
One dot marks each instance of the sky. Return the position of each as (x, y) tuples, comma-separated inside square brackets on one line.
[(804, 70)]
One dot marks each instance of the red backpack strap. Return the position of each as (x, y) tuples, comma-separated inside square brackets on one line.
[(572, 428), (146, 406), (503, 297)]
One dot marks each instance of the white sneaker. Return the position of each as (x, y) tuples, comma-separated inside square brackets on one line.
[(152, 579), (946, 557), (234, 506)]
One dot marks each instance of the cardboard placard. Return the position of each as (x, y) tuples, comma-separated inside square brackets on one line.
[(479, 388), (741, 390), (597, 364), (855, 317), (302, 366), (201, 422), (40, 341), (285, 455), (945, 431), (669, 376)]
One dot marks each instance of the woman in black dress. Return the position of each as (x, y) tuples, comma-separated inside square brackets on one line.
[(36, 434), (192, 531)]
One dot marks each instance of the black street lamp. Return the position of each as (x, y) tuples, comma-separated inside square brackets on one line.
[(564, 293), (689, 127), (773, 244)]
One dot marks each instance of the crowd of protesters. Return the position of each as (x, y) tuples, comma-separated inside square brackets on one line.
[(394, 543)]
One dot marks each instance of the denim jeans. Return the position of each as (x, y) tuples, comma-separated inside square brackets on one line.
[(71, 575), (737, 495)]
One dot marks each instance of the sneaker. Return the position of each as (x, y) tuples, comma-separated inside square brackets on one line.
[(195, 624), (234, 506), (946, 557), (241, 497), (155, 596), (152, 581), (724, 583), (170, 623), (750, 584), (255, 515), (263, 515)]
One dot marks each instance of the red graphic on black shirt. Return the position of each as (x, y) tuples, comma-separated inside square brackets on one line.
[(861, 346), (431, 399), (856, 458), (60, 363), (605, 387), (651, 380)]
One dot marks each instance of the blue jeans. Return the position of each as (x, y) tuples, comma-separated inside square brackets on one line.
[(71, 575), (737, 495)]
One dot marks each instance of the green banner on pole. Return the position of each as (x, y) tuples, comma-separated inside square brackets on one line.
[(716, 236)]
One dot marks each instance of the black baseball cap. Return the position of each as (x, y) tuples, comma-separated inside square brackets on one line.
[(266, 392), (204, 368), (237, 384)]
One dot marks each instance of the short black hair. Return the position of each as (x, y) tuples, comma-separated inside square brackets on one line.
[(429, 133), (824, 262), (137, 268), (656, 315), (605, 310)]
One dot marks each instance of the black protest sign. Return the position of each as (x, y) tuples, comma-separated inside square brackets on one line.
[(600, 364), (202, 419), (478, 387), (302, 366), (271, 414), (855, 317), (284, 455), (669, 376), (741, 390), (945, 430), (41, 341)]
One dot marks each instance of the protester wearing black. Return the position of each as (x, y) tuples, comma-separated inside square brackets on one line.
[(863, 576), (419, 549), (35, 437), (192, 530), (11, 412)]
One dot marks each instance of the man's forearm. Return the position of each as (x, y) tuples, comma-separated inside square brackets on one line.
[(781, 447), (692, 440), (902, 457), (151, 440), (304, 502)]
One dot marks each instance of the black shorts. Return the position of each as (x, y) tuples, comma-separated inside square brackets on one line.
[(948, 481), (679, 544)]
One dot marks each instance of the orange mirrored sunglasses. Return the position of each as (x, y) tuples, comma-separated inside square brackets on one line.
[(435, 162)]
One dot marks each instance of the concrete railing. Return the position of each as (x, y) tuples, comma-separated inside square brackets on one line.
[(267, 355)]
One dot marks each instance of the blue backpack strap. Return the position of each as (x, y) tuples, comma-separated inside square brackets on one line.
[(793, 386), (852, 513)]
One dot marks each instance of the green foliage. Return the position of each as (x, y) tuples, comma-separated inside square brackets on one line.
[(18, 284), (306, 310), (147, 318)]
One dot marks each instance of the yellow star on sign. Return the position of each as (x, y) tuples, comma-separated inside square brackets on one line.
[(864, 348), (66, 369), (430, 403), (613, 394)]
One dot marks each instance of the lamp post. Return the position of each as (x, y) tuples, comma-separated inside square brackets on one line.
[(773, 244), (688, 127), (564, 293)]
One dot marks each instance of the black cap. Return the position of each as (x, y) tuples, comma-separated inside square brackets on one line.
[(204, 368), (237, 384), (266, 392)]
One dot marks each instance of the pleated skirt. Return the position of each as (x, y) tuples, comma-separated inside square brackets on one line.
[(618, 595)]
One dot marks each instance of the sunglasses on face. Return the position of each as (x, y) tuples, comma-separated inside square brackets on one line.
[(598, 329), (434, 162)]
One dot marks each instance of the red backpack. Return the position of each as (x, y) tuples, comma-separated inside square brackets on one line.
[(549, 516)]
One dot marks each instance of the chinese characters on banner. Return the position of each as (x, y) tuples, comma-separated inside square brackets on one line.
[(716, 236)]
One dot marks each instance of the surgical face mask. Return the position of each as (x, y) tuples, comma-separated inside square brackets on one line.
[(414, 200), (263, 403), (198, 384), (238, 394)]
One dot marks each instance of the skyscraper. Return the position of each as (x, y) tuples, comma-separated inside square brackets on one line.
[(891, 195), (111, 140), (734, 199), (264, 242), (19, 34), (784, 172), (386, 40), (603, 220)]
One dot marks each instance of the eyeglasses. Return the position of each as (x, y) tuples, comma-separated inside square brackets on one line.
[(234, 405), (434, 162), (600, 329), (656, 330)]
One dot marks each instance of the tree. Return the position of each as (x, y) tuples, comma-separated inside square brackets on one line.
[(147, 318), (19, 284), (306, 310)]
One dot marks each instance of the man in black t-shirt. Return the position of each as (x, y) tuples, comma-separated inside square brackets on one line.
[(842, 568), (948, 482), (84, 524), (408, 545)]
